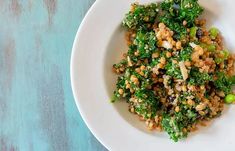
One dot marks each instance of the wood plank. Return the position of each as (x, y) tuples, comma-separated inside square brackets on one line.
[(37, 109)]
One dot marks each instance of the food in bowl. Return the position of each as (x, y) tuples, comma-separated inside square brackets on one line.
[(176, 74)]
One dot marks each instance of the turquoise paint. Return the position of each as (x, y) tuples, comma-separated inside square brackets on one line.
[(37, 109)]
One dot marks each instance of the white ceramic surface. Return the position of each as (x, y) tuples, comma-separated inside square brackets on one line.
[(99, 43)]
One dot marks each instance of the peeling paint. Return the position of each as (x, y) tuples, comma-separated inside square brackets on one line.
[(15, 8), (7, 65), (51, 6), (52, 109), (30, 4), (4, 145)]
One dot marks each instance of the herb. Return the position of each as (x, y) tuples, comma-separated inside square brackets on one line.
[(225, 54)]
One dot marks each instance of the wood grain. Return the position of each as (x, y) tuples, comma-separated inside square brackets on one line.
[(37, 109)]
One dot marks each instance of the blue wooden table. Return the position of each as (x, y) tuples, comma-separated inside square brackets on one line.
[(37, 109)]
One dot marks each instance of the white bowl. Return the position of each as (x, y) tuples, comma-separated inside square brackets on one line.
[(99, 43)]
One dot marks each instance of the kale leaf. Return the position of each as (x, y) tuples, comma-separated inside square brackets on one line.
[(181, 10), (148, 103), (176, 11), (176, 125), (189, 11), (223, 82), (173, 70), (185, 54), (119, 85), (170, 22), (140, 16), (198, 78), (146, 43)]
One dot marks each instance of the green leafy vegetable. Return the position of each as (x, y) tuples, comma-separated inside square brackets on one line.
[(146, 43), (122, 63), (198, 78), (119, 85), (175, 125), (148, 103), (173, 70), (141, 16), (169, 21), (185, 54), (223, 82), (187, 10)]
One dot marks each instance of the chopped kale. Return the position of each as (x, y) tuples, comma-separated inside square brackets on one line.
[(131, 53), (198, 78), (185, 54), (119, 85), (183, 96), (177, 11), (189, 11), (122, 63), (148, 103), (176, 125), (169, 21), (173, 70), (141, 16), (181, 10), (146, 43), (223, 82)]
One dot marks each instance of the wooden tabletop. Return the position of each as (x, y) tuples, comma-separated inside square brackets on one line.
[(37, 109)]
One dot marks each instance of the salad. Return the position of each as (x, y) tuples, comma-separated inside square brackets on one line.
[(176, 74)]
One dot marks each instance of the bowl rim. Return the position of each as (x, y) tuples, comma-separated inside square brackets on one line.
[(75, 95)]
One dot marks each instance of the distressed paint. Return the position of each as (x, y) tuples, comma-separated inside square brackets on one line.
[(15, 7), (51, 9), (7, 64), (37, 109)]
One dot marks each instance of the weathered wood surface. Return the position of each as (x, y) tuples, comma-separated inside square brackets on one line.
[(37, 109)]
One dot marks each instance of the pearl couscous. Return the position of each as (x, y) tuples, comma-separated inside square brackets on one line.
[(176, 74)]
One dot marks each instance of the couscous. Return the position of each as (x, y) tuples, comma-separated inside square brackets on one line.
[(176, 74)]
